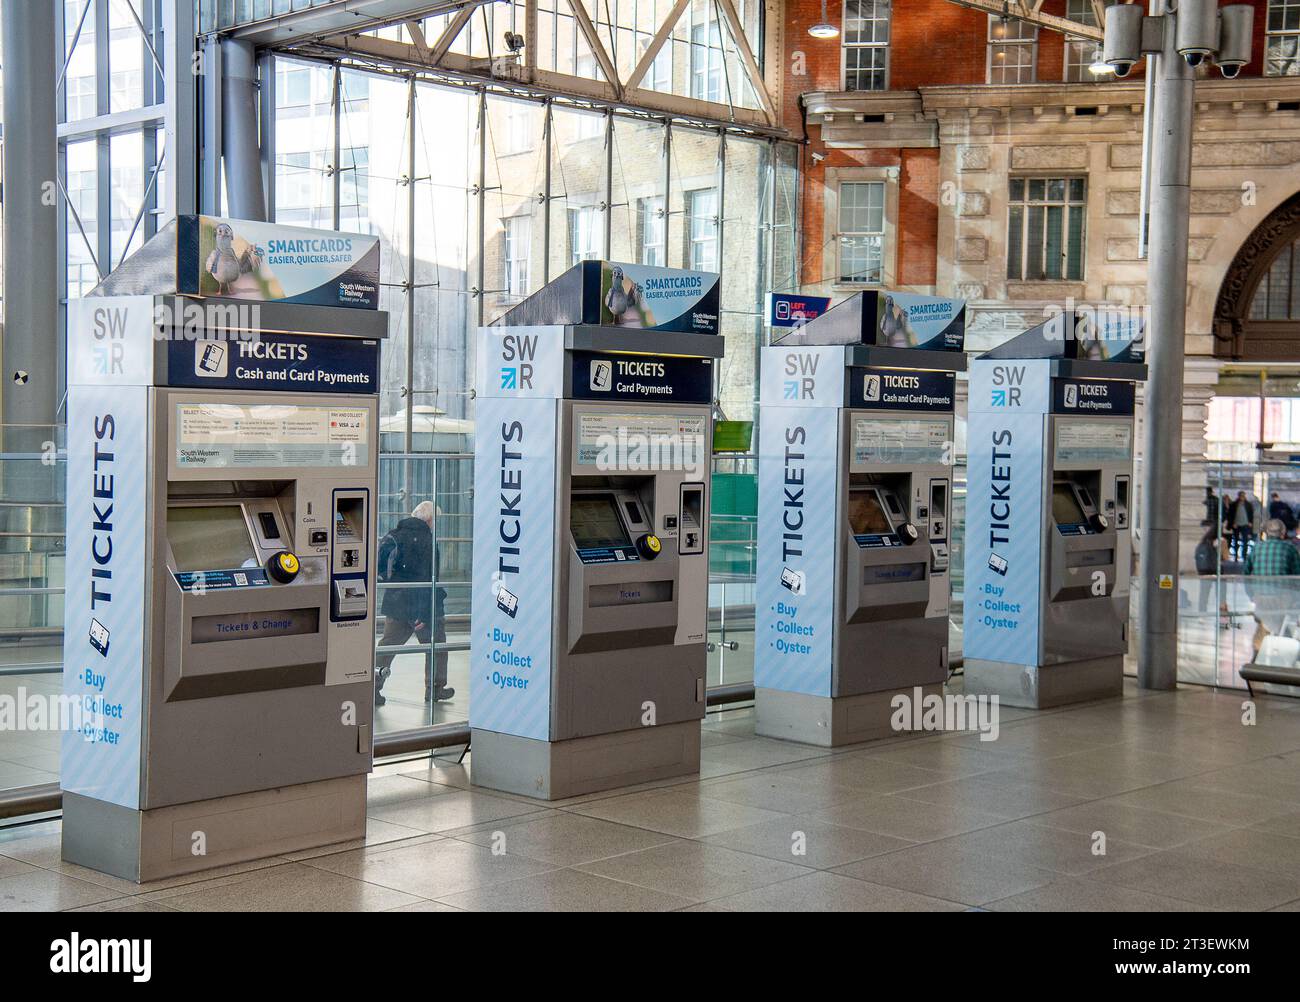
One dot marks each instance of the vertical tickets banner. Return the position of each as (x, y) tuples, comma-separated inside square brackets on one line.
[(519, 376), (103, 641), (1004, 509)]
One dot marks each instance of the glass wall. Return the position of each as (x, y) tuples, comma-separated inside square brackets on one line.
[(479, 198)]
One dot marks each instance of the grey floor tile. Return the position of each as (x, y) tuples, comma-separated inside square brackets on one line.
[(1037, 845), (457, 809), (787, 793), (686, 815), (1076, 894), (432, 869), (1193, 800), (566, 891), (1283, 824), (13, 867), (1130, 823), (1179, 873), (377, 833), (124, 905), (806, 842), (46, 891), (384, 790), (865, 773), (831, 892), (1253, 847), (1107, 772), (567, 839), (1290, 906), (939, 871), (1002, 794), (425, 906), (913, 820), (951, 760), (694, 871), (294, 887), (755, 753)]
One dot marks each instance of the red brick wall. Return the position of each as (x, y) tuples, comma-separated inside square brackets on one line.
[(918, 217)]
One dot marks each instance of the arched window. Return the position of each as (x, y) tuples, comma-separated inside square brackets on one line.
[(1257, 315), (1277, 296)]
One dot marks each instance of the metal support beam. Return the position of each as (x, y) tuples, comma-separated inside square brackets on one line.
[(1166, 343), (597, 48), (652, 51), (31, 220), (239, 139), (747, 58), (1030, 14)]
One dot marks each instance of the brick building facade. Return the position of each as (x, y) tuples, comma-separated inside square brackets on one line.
[(997, 167)]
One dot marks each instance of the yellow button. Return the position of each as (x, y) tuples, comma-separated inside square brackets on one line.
[(653, 543), (289, 562)]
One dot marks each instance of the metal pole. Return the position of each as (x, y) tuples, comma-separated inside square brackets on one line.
[(239, 140), (31, 224), (410, 288), (1162, 437)]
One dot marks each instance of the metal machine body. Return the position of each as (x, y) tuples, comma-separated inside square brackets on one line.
[(220, 630), (1050, 505), (592, 479), (855, 499)]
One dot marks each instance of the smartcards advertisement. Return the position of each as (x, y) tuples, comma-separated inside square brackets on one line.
[(904, 320), (266, 262), (669, 299)]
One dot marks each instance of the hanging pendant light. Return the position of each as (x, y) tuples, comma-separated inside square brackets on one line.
[(823, 28)]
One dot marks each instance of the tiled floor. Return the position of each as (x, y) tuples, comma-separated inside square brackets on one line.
[(1151, 802)]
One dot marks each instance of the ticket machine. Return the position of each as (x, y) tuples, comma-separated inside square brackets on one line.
[(1049, 512), (593, 434), (220, 599), (855, 501)]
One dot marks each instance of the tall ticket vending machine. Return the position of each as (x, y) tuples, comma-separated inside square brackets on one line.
[(1049, 512), (221, 492), (593, 436), (854, 510)]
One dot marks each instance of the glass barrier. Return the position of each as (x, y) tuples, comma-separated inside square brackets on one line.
[(32, 560)]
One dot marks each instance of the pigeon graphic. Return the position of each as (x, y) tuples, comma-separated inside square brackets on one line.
[(616, 300), (225, 265), (893, 325)]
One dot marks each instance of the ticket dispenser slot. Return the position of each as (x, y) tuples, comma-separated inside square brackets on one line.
[(622, 576), (690, 537), (349, 598)]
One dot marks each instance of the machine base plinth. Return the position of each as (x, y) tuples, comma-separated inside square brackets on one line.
[(554, 770), (1042, 686), (830, 721), (154, 844)]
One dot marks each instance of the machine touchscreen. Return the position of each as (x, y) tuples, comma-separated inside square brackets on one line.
[(594, 523), (210, 537), (866, 514), (1065, 506)]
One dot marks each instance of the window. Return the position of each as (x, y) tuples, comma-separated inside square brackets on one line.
[(584, 234), (861, 231), (1045, 228), (866, 44), (1013, 46), (1277, 297), (1282, 39), (650, 230), (517, 230), (292, 86), (702, 205), (517, 128), (706, 62), (660, 74), (1081, 54)]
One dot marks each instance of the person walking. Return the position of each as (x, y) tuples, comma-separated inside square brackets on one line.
[(1240, 522), (407, 555), (1280, 510)]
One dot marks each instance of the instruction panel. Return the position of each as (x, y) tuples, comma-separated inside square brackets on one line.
[(911, 440), (235, 435), (640, 441)]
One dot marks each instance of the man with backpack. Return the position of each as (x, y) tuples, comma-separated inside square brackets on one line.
[(406, 555)]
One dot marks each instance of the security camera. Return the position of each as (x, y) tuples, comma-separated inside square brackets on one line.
[(1197, 34), (1236, 22), (1122, 40), (514, 42)]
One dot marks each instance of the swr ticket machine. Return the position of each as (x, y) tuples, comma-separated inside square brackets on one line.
[(220, 607), (592, 469), (854, 509), (1049, 512)]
